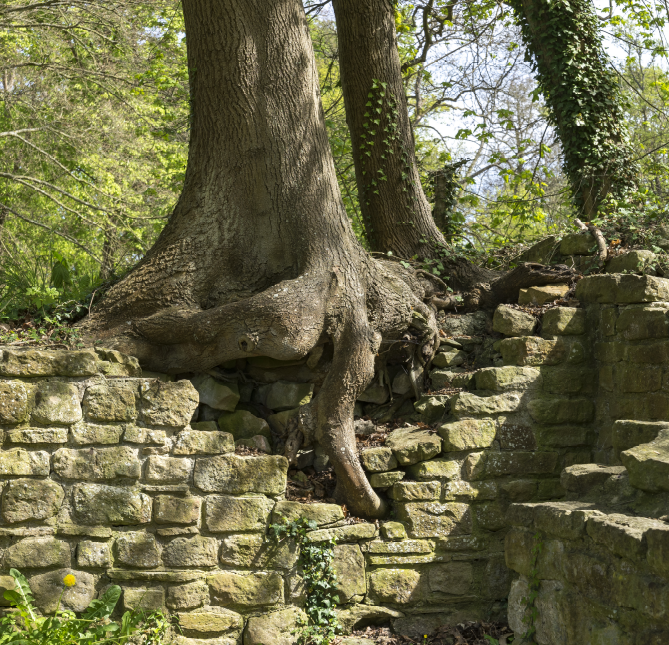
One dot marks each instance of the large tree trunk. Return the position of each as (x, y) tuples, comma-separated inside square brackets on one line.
[(258, 258), (396, 214), (581, 92)]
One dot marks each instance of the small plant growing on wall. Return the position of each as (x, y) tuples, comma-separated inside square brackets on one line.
[(25, 626)]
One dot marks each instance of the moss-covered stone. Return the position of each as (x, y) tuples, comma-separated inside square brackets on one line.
[(510, 377), (415, 491), (395, 586), (93, 554), (151, 599), (627, 434), (453, 578), (50, 594), (378, 460), (532, 351), (37, 435), (168, 469), (451, 357), (385, 480), (641, 322), (31, 499), (236, 475), (176, 510), (97, 464), (375, 393), (37, 553), (215, 394), (433, 519), (319, 513), (196, 551), (21, 462), (279, 421), (393, 531), (622, 289), (578, 244), (96, 504), (56, 403), (411, 445), (13, 402), (276, 628), (211, 622), (33, 362), (450, 377), (349, 566), (285, 395), (482, 465), (253, 551), (350, 533), (539, 296), (562, 436), (648, 465), (432, 407), (244, 425), (467, 434), (563, 321), (104, 403), (513, 322), (188, 596), (137, 549), (245, 591), (194, 442), (230, 514), (168, 404), (435, 469), (86, 433), (561, 410), (468, 403)]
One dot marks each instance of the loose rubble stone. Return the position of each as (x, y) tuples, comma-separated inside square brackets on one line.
[(22, 462), (168, 404), (285, 395), (228, 514), (319, 513), (432, 519), (56, 403), (276, 628), (37, 552), (93, 554), (137, 549), (168, 469), (631, 261), (432, 407), (395, 586), (279, 420), (31, 499), (401, 383), (176, 510), (188, 596), (195, 551), (471, 324), (539, 296), (648, 465), (37, 435), (50, 594), (104, 403), (563, 321), (628, 434), (99, 504), (13, 402), (96, 464), (510, 377), (375, 393), (578, 244), (193, 442), (212, 621), (217, 395), (258, 442), (513, 322), (378, 460), (467, 434), (230, 589), (236, 475), (244, 425), (411, 445), (450, 358), (451, 377), (86, 433)]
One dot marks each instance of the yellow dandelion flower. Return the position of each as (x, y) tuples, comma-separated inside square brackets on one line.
[(69, 580)]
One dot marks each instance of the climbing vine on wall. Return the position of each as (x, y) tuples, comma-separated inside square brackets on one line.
[(582, 95)]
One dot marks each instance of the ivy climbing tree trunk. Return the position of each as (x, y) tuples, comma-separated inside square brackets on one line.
[(396, 213), (258, 257), (581, 91)]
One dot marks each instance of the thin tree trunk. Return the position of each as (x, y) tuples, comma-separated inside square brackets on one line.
[(396, 213), (259, 258)]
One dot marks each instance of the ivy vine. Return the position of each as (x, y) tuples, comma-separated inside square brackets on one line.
[(319, 580), (583, 97)]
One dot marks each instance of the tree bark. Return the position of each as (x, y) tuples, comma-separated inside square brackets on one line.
[(396, 213), (258, 257)]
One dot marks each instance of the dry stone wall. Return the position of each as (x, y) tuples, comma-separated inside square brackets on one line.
[(556, 427)]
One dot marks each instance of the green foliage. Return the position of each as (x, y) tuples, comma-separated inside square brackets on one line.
[(94, 627), (319, 581), (582, 95)]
